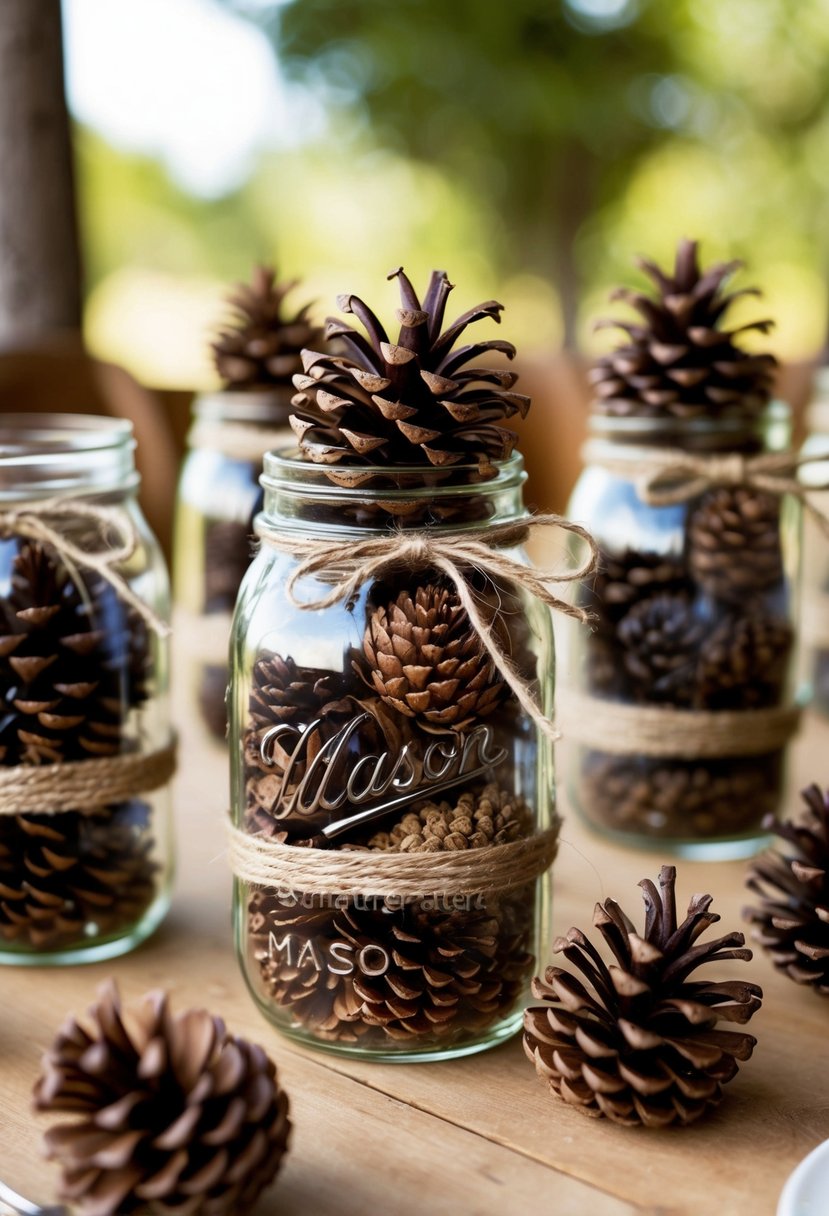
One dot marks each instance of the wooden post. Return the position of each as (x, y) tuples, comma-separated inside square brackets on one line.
[(40, 265)]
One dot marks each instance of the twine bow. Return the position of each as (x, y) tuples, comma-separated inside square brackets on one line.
[(347, 565), (44, 521)]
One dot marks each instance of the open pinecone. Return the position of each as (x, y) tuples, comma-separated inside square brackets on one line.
[(792, 920), (734, 548), (742, 664), (639, 1041), (413, 402), (660, 638), (171, 1114), (489, 817), (260, 346), (623, 579), (71, 665), (62, 876), (679, 360), (426, 661)]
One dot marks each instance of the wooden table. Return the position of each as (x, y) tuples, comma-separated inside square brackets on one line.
[(474, 1137)]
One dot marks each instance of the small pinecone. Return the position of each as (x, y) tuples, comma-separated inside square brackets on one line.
[(171, 1114), (427, 662), (68, 673), (742, 665), (793, 917), (639, 1041), (227, 553), (260, 346), (62, 875), (734, 543), (413, 402), (490, 817), (660, 639), (623, 579), (679, 361)]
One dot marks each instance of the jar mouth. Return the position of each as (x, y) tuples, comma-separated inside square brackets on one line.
[(48, 453), (688, 432), (255, 406), (285, 469)]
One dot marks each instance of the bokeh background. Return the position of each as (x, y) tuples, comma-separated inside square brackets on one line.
[(531, 148)]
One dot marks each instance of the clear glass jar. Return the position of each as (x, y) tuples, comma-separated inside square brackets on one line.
[(694, 609), (815, 611), (84, 679), (218, 496), (384, 977)]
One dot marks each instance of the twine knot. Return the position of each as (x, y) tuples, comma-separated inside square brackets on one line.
[(348, 565), (113, 541)]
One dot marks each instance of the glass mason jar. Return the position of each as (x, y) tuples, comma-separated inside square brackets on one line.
[(218, 496), (815, 611), (84, 676), (377, 726), (683, 690)]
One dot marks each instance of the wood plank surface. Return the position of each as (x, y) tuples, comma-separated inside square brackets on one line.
[(473, 1137)]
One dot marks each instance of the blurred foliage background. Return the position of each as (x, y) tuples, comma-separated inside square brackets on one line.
[(531, 148)]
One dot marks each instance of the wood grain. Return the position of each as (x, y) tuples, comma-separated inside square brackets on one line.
[(475, 1136)]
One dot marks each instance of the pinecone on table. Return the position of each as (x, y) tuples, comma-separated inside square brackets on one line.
[(61, 875), (660, 639), (420, 401), (623, 579), (424, 660), (169, 1113), (734, 549), (742, 664), (792, 919), (679, 360), (70, 669), (638, 1042), (260, 345)]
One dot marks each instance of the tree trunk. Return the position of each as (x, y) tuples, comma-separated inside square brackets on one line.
[(40, 267)]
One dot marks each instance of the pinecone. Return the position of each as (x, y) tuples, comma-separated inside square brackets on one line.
[(491, 816), (171, 1114), (413, 402), (260, 347), (742, 664), (425, 661), (680, 799), (734, 543), (793, 917), (660, 639), (623, 579), (69, 672), (639, 1042), (65, 877)]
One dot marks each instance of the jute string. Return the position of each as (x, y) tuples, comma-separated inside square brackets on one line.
[(665, 477), (83, 785), (262, 862), (238, 440), (347, 565), (661, 730), (46, 520)]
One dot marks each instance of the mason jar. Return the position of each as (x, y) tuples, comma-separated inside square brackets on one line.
[(815, 610), (375, 734), (680, 701), (218, 496), (86, 753)]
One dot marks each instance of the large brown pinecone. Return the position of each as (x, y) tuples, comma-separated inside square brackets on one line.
[(742, 664), (660, 639), (679, 360), (260, 346), (734, 549), (65, 877), (411, 402), (623, 579), (71, 665), (170, 1114), (638, 1042), (792, 920), (426, 661)]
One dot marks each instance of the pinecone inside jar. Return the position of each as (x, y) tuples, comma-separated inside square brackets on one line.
[(734, 549), (660, 639), (743, 663)]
